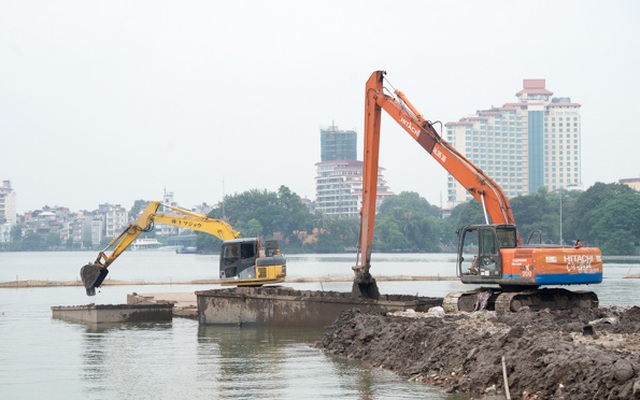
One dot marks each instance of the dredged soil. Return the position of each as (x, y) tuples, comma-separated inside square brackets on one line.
[(580, 354)]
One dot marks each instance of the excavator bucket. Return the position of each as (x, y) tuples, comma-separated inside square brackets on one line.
[(92, 276), (365, 286)]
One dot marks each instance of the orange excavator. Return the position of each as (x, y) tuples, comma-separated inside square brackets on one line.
[(488, 254)]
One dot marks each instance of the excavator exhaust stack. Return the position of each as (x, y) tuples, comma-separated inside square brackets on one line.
[(92, 277)]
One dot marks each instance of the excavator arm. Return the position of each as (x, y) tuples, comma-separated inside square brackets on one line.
[(484, 189), (93, 274)]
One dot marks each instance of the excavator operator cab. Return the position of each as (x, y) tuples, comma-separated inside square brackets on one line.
[(237, 258), (479, 251), (244, 262)]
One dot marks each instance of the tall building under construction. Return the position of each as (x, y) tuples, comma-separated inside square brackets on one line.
[(339, 175), (524, 145)]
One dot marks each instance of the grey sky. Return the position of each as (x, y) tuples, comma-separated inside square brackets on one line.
[(113, 101)]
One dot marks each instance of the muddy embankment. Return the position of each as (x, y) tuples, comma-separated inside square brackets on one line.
[(584, 354)]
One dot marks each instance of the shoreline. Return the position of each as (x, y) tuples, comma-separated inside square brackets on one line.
[(31, 283), (533, 354)]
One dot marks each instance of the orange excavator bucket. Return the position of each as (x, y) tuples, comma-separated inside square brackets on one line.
[(364, 284)]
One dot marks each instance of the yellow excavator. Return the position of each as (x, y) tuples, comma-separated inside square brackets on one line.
[(243, 262)]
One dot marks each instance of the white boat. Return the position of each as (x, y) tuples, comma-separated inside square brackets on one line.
[(145, 244)]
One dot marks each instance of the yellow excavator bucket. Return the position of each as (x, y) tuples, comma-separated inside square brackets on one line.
[(92, 276)]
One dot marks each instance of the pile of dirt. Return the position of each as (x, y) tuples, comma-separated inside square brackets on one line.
[(580, 354)]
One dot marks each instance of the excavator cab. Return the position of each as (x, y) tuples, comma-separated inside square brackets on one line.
[(244, 262), (479, 257), (236, 257)]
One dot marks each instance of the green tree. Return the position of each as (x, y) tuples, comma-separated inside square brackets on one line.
[(618, 242), (137, 207), (389, 236), (616, 224), (34, 241), (538, 212), (410, 201), (335, 234), (462, 215), (265, 213), (253, 228), (206, 243), (53, 240), (408, 222), (329, 243), (16, 233), (585, 213)]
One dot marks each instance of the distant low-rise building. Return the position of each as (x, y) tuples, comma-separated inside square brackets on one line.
[(631, 182), (97, 230), (5, 232), (115, 220)]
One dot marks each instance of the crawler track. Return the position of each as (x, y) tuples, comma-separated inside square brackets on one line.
[(513, 301)]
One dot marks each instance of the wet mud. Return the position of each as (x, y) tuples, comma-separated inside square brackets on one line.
[(579, 354)]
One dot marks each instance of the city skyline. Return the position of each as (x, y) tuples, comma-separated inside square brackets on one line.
[(523, 145), (108, 103)]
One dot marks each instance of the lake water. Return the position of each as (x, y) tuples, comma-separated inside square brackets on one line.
[(41, 357)]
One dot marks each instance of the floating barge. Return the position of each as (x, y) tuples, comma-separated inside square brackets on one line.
[(261, 306), (114, 313), (282, 306)]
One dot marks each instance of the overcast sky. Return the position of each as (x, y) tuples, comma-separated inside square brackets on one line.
[(114, 101)]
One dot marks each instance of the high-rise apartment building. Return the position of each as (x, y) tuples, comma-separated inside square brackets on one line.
[(8, 197), (339, 175), (524, 145)]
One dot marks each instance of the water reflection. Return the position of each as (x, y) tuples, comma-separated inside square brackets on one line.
[(253, 362), (247, 362), (43, 358), (119, 359)]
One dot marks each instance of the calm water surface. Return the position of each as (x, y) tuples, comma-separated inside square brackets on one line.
[(45, 358)]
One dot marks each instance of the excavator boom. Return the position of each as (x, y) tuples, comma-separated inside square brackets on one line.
[(495, 203)]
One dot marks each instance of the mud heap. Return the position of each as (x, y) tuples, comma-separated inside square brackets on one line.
[(580, 354)]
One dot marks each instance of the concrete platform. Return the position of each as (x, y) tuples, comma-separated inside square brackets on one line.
[(184, 303), (282, 306), (114, 313)]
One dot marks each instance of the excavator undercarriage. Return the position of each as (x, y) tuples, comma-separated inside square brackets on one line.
[(505, 301)]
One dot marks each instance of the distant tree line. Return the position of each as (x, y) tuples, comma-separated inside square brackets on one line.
[(605, 215)]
